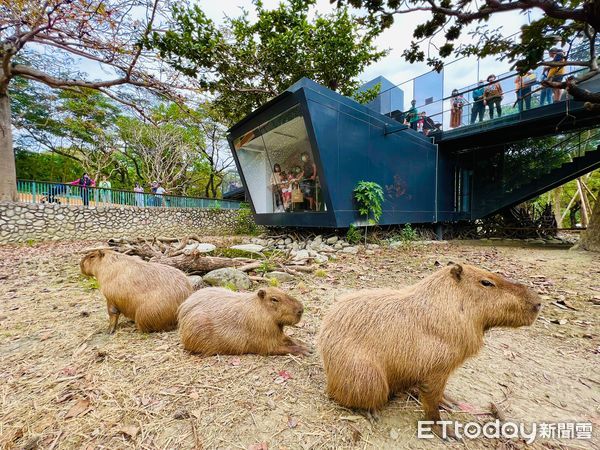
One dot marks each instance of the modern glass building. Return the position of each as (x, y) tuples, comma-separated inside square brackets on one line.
[(301, 155)]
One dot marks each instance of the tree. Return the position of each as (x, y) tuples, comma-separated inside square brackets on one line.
[(106, 32), (80, 125), (245, 63), (564, 21)]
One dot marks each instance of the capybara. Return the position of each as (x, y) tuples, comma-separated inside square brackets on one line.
[(147, 293), (375, 343), (215, 321)]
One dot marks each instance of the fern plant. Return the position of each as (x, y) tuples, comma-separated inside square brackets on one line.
[(369, 198)]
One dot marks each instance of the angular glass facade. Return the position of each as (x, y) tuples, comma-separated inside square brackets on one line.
[(278, 164)]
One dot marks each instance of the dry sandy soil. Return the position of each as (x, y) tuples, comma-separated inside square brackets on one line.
[(66, 384)]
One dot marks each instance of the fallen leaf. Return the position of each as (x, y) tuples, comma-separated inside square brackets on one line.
[(78, 409), (162, 348), (194, 395), (131, 431), (351, 418), (68, 371), (285, 374), (181, 414), (259, 446), (46, 335), (292, 422), (235, 361)]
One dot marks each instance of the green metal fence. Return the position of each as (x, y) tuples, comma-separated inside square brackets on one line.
[(65, 194)]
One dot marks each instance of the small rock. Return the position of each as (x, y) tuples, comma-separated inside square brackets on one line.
[(196, 281), (338, 246), (250, 248), (372, 246), (205, 248), (320, 259), (332, 240), (301, 255), (351, 250), (394, 435), (228, 275), (282, 277)]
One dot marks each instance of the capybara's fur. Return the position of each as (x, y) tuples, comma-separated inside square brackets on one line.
[(147, 293), (375, 343), (216, 321)]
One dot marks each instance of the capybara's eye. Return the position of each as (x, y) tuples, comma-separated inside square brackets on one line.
[(274, 299), (487, 283)]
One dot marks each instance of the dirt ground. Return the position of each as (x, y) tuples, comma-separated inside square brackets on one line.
[(66, 384)]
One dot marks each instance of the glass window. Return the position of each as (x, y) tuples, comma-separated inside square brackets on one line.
[(279, 166)]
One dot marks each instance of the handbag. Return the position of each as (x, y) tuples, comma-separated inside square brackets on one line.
[(297, 196)]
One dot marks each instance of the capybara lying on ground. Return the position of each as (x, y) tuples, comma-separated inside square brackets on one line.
[(218, 321), (147, 293), (375, 343)]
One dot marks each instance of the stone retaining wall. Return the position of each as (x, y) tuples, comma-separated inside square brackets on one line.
[(21, 222)]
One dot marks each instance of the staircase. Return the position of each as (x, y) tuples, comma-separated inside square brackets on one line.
[(577, 162)]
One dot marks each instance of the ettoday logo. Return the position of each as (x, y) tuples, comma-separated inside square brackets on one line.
[(507, 430)]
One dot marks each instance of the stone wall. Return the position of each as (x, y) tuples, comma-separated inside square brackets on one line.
[(21, 222)]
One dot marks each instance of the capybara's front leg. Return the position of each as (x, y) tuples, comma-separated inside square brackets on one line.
[(432, 393), (291, 349), (113, 316)]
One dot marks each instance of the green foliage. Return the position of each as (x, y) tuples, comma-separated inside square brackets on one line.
[(353, 235), (367, 95), (265, 267), (320, 273), (231, 286), (369, 198), (273, 282), (244, 222), (46, 166), (408, 234), (248, 61), (561, 23)]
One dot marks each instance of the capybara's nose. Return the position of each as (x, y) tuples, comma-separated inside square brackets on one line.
[(300, 311), (537, 307)]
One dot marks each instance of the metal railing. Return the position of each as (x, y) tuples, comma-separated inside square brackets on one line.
[(30, 191)]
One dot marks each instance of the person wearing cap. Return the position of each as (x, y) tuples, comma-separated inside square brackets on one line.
[(478, 108), (556, 74), (492, 96)]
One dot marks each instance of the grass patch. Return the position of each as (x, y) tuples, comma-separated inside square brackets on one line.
[(321, 273), (89, 283)]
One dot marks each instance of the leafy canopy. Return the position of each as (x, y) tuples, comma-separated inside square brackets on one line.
[(245, 63)]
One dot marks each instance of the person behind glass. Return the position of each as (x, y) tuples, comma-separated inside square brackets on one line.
[(139, 195), (457, 102), (412, 116), (492, 96), (546, 93), (478, 108), (556, 74), (276, 188), (84, 183), (523, 85), (308, 176)]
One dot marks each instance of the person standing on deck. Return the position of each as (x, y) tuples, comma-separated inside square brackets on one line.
[(492, 96), (478, 108), (84, 183), (413, 115), (457, 102), (105, 194)]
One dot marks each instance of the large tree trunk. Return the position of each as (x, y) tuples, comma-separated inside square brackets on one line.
[(8, 174), (590, 240)]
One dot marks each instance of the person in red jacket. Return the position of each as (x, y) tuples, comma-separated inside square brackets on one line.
[(84, 183)]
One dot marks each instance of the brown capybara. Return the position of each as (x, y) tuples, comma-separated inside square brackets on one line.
[(375, 343), (215, 321), (147, 293)]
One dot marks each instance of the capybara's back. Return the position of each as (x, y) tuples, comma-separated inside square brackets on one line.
[(378, 342), (218, 321), (147, 293)]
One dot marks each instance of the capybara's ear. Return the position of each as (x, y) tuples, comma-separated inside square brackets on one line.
[(456, 271), (261, 293)]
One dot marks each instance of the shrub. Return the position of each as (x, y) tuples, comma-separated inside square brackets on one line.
[(408, 234), (369, 197), (244, 222), (353, 235)]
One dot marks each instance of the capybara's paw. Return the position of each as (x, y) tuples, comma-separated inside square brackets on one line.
[(299, 350)]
